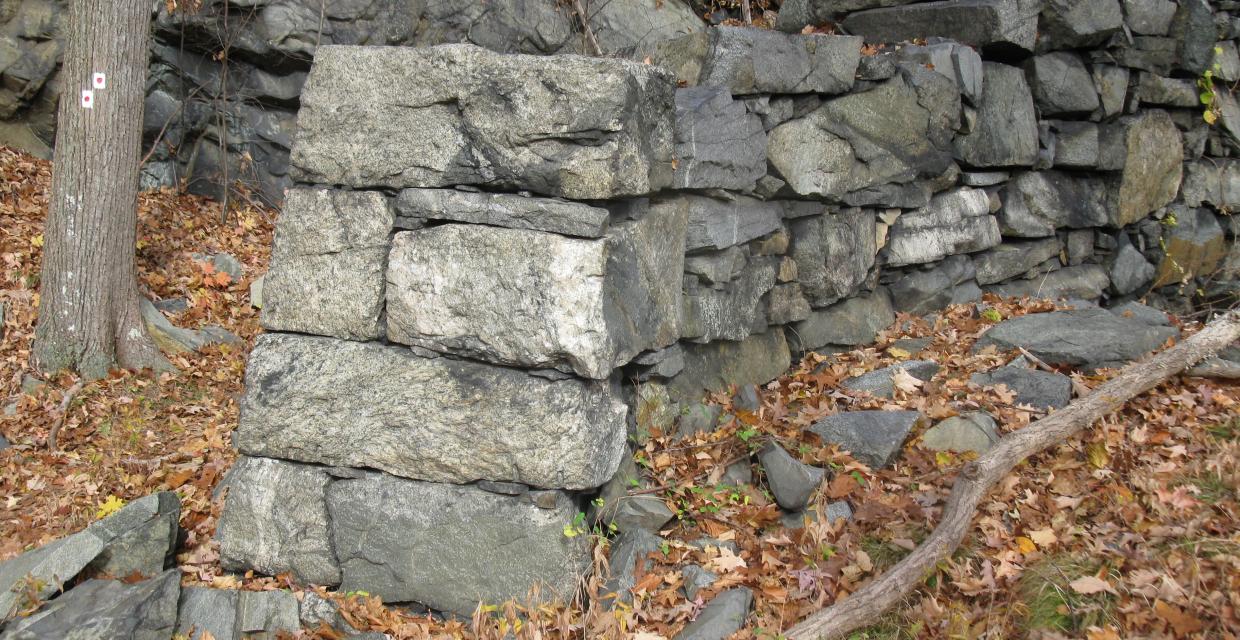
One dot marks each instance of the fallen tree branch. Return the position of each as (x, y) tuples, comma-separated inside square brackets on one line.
[(867, 605), (1216, 368), (64, 413)]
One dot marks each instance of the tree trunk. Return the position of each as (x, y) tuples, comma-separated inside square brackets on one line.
[(867, 605), (88, 312)]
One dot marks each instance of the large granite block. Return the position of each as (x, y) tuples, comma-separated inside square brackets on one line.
[(750, 61), (568, 126), (337, 402)]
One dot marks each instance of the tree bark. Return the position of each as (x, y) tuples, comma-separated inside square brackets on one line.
[(867, 606), (89, 320)]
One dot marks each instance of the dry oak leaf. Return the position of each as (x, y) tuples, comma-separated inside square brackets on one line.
[(1089, 585)]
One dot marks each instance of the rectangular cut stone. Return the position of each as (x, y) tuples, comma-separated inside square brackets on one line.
[(719, 224), (954, 222), (503, 210), (750, 61), (978, 23), (569, 126), (535, 299), (327, 261), (833, 253), (342, 403), (719, 143), (757, 359), (452, 547)]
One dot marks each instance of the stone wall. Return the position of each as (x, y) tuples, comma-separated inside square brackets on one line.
[(488, 266)]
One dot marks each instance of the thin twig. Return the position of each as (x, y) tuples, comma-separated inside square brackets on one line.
[(1037, 362), (585, 27), (64, 413)]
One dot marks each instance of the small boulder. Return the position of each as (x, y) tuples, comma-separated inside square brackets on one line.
[(738, 473), (879, 382), (835, 511), (724, 616), (792, 481), (238, 615), (747, 398), (637, 512), (106, 610), (873, 437), (699, 418), (696, 579), (1038, 389), (626, 560), (1090, 338), (974, 431)]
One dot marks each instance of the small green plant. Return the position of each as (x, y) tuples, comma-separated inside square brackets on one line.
[(577, 526), (599, 502), (665, 548), (992, 315), (1205, 85), (747, 434), (1229, 430)]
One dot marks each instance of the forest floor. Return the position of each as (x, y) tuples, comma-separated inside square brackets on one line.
[(1129, 531)]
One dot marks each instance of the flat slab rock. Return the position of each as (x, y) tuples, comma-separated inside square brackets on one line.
[(880, 383), (106, 610), (873, 437), (1089, 337), (552, 215), (338, 402), (445, 546), (1038, 389), (570, 126), (539, 300)]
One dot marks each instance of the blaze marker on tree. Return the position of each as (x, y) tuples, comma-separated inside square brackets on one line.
[(99, 81), (88, 99)]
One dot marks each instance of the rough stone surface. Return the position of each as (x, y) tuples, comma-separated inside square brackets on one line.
[(728, 313), (833, 253), (757, 359), (1215, 183), (852, 322), (1088, 337), (879, 383), (627, 559), (1006, 131), (1196, 245), (723, 616), (835, 511), (718, 224), (535, 299), (792, 481), (873, 437), (1011, 259), (696, 579), (501, 210), (239, 615), (975, 432), (1149, 17), (1086, 281), (954, 222), (1078, 23), (1038, 389), (1036, 203), (979, 23), (921, 292), (327, 262), (368, 405), (866, 140), (450, 547), (275, 521), (719, 143), (106, 610), (1060, 84), (750, 61), (1152, 169), (575, 127), (1112, 84), (636, 27), (1076, 144), (1128, 269)]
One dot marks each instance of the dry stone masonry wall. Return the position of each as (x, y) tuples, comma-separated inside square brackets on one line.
[(496, 266)]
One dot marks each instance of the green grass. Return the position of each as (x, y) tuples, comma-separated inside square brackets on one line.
[(1229, 430), (1051, 604)]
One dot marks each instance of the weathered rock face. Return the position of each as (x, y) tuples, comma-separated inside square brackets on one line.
[(719, 224), (728, 313), (1215, 183), (873, 437), (749, 61), (415, 206), (451, 547), (1038, 389), (719, 143), (1152, 168), (396, 117), (534, 299), (949, 281), (367, 405), (863, 140), (1012, 259), (954, 222), (1038, 202), (979, 23), (240, 615), (833, 253), (1061, 84), (1006, 131), (635, 27), (1195, 246), (329, 242), (1078, 23), (880, 383), (1085, 281)]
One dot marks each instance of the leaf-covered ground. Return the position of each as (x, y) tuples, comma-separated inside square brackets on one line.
[(1131, 531)]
